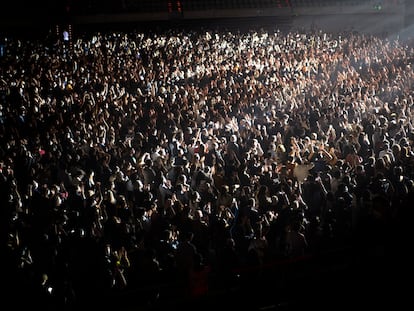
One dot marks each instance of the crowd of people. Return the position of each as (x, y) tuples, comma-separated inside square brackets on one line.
[(135, 160)]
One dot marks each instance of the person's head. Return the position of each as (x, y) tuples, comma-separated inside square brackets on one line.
[(360, 169), (371, 161), (398, 170), (166, 235), (396, 149), (186, 236), (346, 179), (343, 187), (380, 164)]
